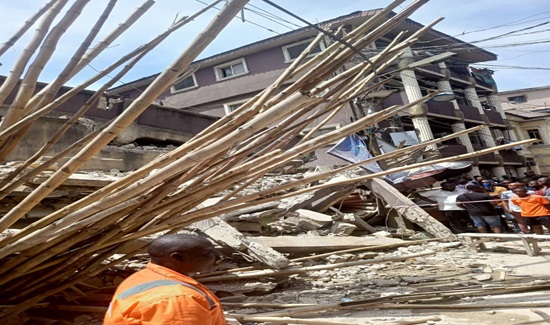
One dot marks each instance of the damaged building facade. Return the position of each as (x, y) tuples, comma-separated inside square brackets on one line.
[(219, 84)]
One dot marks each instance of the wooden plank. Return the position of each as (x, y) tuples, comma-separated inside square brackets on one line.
[(321, 244), (408, 209)]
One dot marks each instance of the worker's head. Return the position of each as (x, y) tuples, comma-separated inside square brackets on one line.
[(520, 191), (183, 253)]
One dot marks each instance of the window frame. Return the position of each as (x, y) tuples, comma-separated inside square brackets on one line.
[(517, 96), (539, 133), (218, 68), (286, 54), (173, 90), (227, 106)]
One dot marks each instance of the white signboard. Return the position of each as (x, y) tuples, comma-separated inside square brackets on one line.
[(409, 137)]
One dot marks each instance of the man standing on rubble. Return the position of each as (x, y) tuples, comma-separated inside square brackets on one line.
[(164, 292), (481, 207), (446, 201)]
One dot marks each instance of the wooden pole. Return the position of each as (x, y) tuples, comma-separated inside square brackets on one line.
[(28, 23)]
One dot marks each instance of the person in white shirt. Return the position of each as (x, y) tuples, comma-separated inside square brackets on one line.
[(446, 201)]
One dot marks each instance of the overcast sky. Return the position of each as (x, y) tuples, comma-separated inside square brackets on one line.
[(463, 19)]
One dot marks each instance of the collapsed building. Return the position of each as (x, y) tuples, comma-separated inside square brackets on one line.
[(229, 173)]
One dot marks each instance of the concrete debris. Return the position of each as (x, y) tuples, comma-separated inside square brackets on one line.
[(342, 228)]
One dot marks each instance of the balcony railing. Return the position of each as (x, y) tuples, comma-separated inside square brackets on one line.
[(487, 158), (451, 150), (470, 113), (511, 157), (494, 117), (441, 108)]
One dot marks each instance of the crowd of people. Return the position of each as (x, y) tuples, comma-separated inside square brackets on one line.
[(508, 204)]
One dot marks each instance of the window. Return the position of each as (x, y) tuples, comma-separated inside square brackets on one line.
[(187, 83), (518, 99), (535, 134), (292, 51), (231, 69), (230, 107)]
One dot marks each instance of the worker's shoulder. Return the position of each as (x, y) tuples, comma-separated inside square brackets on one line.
[(175, 293)]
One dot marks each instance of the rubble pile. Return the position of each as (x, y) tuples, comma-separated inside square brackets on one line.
[(420, 290), (204, 184)]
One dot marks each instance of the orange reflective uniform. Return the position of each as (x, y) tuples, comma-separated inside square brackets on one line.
[(532, 205), (159, 295)]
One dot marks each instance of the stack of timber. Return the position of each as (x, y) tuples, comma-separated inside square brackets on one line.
[(52, 257)]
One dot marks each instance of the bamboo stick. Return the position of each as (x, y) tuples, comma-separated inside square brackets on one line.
[(464, 306), (28, 23), (286, 320), (295, 270), (206, 165), (17, 70), (113, 35), (28, 84), (52, 90), (76, 116), (163, 81)]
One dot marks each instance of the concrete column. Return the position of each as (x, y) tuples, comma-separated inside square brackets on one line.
[(544, 134), (465, 140), (412, 89), (494, 101), (498, 133), (445, 86), (513, 137), (485, 133)]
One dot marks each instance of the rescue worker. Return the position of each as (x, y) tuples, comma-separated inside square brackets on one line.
[(164, 292)]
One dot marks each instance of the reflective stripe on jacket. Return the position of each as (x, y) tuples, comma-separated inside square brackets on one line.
[(158, 295)]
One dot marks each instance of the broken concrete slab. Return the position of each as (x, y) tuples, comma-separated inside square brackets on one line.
[(311, 220), (295, 244), (408, 209), (220, 231), (342, 228)]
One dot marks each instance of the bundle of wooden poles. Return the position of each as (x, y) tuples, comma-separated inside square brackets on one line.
[(60, 251)]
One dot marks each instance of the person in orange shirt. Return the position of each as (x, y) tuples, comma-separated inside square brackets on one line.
[(164, 292), (533, 209)]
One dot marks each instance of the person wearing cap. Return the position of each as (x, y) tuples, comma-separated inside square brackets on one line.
[(164, 292)]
